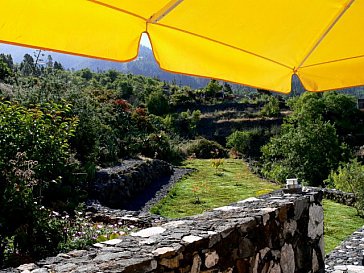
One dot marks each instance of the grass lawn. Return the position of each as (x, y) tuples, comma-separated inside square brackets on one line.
[(340, 222), (209, 188)]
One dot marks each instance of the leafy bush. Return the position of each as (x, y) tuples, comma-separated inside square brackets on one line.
[(26, 230), (37, 167), (203, 148), (160, 146), (311, 142), (349, 177), (242, 141), (271, 108), (307, 151), (184, 123), (249, 142), (157, 103), (43, 132)]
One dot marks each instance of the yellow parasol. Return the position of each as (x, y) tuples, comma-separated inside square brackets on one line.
[(260, 43)]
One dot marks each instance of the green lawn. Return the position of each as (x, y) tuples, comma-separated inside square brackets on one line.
[(209, 188), (340, 222)]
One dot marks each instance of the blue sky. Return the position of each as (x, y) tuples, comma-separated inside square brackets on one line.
[(145, 40)]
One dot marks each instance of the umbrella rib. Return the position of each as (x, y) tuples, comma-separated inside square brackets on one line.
[(333, 61), (117, 9), (329, 28), (227, 45), (156, 17)]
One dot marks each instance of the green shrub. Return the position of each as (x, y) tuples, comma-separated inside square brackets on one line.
[(157, 103), (160, 146), (184, 123), (203, 148), (249, 142), (27, 232), (271, 108), (349, 177), (242, 141), (306, 150), (43, 132)]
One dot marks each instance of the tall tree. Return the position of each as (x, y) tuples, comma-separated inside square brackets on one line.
[(27, 66)]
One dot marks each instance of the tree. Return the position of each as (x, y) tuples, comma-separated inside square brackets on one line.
[(271, 108), (58, 66), (49, 61), (8, 59), (27, 66), (308, 146), (5, 71), (157, 103), (212, 89), (349, 177)]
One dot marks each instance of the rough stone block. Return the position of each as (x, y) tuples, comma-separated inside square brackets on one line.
[(29, 267), (316, 221), (164, 252), (211, 259), (196, 265), (246, 248), (191, 239), (287, 259), (171, 262), (148, 232), (289, 227)]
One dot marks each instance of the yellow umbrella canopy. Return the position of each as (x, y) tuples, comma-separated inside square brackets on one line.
[(260, 43)]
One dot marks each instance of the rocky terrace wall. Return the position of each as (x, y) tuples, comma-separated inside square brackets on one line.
[(278, 233), (117, 186)]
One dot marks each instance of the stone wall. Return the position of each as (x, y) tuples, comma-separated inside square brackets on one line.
[(338, 196), (116, 186), (277, 233)]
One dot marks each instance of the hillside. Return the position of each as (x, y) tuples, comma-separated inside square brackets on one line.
[(144, 65)]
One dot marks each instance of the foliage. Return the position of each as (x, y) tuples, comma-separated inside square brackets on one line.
[(212, 89), (217, 163), (184, 123), (159, 146), (349, 177), (242, 141), (203, 148), (337, 108), (26, 231), (307, 151), (5, 71), (43, 132), (37, 168), (249, 142), (309, 146), (157, 103), (271, 108)]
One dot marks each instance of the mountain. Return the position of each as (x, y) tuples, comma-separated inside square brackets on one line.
[(145, 64)]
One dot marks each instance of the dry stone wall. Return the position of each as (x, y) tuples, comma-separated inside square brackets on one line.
[(346, 198), (277, 233), (117, 186)]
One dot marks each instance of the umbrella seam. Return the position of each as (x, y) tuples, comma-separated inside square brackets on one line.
[(333, 61), (326, 32), (227, 45), (117, 9)]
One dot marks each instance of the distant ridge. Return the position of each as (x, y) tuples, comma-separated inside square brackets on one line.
[(144, 65)]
